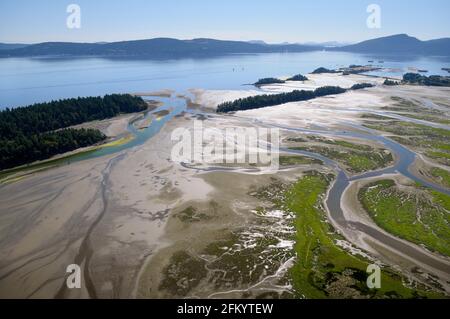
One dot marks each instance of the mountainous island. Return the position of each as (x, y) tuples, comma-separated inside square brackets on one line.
[(174, 48)]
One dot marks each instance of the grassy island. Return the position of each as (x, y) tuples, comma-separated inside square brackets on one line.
[(419, 216)]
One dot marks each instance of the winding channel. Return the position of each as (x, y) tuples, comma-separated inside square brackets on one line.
[(404, 159)]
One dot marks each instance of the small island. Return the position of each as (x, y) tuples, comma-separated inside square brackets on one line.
[(358, 69), (267, 81), (322, 70), (361, 86), (388, 82), (298, 77)]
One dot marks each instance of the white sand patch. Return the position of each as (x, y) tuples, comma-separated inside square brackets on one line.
[(118, 127), (112, 127), (323, 111), (275, 214), (284, 244), (347, 246), (212, 98)]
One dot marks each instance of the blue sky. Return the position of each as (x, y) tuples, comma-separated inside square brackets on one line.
[(32, 21)]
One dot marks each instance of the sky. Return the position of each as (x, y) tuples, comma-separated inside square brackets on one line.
[(273, 21)]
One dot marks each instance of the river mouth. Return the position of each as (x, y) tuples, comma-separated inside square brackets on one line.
[(170, 108)]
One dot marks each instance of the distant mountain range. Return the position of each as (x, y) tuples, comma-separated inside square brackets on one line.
[(158, 48), (400, 44), (173, 48), (12, 46), (314, 44), (329, 44)]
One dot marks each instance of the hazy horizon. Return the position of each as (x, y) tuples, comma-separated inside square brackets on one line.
[(187, 39)]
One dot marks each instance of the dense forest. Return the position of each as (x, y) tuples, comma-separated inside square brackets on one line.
[(38, 131), (432, 80), (361, 86), (45, 117), (267, 81), (26, 149), (390, 82), (298, 77), (259, 101), (323, 70)]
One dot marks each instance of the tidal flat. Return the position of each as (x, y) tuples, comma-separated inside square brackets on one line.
[(142, 225)]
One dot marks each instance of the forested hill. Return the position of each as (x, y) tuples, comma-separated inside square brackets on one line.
[(400, 44), (153, 48), (164, 48), (44, 117), (39, 131)]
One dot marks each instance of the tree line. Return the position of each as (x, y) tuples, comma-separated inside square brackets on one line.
[(54, 115), (298, 77), (267, 81), (323, 70), (432, 80), (26, 149), (260, 101), (38, 131), (360, 86)]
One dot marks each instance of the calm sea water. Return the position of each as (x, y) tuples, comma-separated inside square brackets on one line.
[(25, 81)]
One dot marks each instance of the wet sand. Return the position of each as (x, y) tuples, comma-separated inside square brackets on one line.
[(110, 127), (161, 93), (105, 214)]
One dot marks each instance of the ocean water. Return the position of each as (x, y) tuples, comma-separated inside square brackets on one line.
[(24, 81)]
